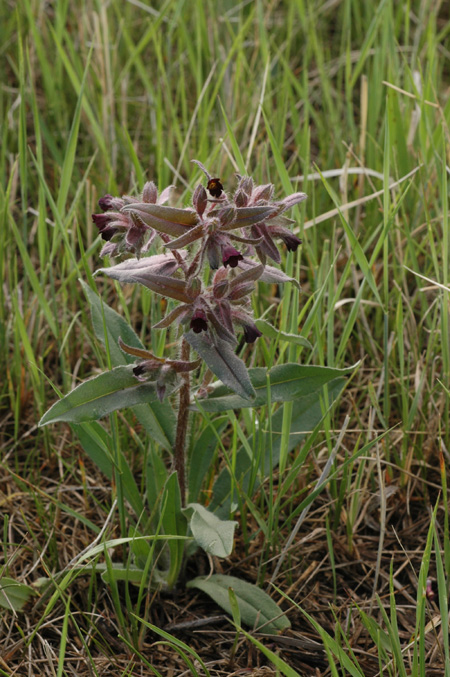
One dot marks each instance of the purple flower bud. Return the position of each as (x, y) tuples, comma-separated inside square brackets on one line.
[(251, 332), (200, 200), (246, 185), (109, 249), (150, 193), (227, 217), (231, 256), (213, 253), (240, 198), (198, 321), (263, 192), (108, 202)]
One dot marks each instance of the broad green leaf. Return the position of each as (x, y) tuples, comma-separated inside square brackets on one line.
[(173, 522), (257, 609), (213, 535), (99, 396), (224, 363), (14, 595), (97, 442), (117, 542), (156, 475), (116, 571), (269, 330), (105, 318), (306, 414), (287, 382), (202, 454), (141, 549), (158, 418)]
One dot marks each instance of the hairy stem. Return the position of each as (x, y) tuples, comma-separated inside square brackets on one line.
[(182, 425)]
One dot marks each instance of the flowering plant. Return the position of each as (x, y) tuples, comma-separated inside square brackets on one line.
[(205, 259)]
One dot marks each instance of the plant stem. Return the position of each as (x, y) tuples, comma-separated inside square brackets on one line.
[(182, 425)]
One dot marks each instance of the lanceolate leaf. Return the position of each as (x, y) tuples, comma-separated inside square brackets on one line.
[(257, 609), (99, 396), (287, 382), (249, 216), (270, 274), (160, 284), (187, 238), (160, 264), (224, 363), (173, 522), (202, 454), (106, 320), (98, 445), (306, 414), (169, 220), (158, 418)]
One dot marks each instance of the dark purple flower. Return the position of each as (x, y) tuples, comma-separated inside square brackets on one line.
[(251, 332), (106, 224), (145, 367), (231, 256), (215, 187), (198, 321), (291, 241)]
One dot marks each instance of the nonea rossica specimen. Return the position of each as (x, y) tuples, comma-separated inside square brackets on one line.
[(232, 235)]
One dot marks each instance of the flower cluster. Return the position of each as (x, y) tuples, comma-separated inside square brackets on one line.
[(223, 232)]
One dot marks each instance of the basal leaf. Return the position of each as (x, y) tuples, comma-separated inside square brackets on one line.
[(97, 443), (257, 609), (213, 535), (14, 595), (173, 522)]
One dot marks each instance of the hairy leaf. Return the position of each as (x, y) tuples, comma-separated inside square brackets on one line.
[(287, 382), (213, 535), (169, 220), (158, 418), (99, 396), (257, 609), (223, 362), (14, 595)]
